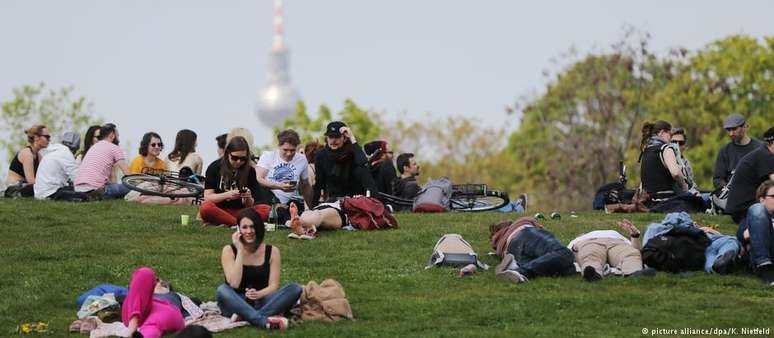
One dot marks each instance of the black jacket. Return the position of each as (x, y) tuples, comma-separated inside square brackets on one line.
[(355, 179)]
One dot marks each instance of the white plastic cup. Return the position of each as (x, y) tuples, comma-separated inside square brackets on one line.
[(184, 219), (271, 227)]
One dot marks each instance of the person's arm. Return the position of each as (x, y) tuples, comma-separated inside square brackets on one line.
[(719, 178), (306, 190), (134, 322), (28, 162), (196, 163), (211, 196), (70, 168), (232, 264), (260, 175), (634, 233), (274, 277), (670, 160), (122, 165)]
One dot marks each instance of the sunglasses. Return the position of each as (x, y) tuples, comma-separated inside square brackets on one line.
[(682, 143), (160, 145), (48, 137), (238, 158)]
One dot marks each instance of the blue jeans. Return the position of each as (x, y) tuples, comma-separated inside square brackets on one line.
[(278, 302), (758, 222), (539, 253), (115, 190), (719, 245)]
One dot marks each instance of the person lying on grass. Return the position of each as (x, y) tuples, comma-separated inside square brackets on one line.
[(150, 309), (596, 249), (325, 216), (252, 269), (528, 251)]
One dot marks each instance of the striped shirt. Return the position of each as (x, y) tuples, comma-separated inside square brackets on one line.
[(97, 164)]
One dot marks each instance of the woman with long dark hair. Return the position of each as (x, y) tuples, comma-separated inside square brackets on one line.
[(24, 165), (92, 136), (252, 277), (231, 185), (149, 157), (184, 154)]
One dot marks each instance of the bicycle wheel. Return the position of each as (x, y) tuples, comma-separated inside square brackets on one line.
[(483, 201), (162, 186)]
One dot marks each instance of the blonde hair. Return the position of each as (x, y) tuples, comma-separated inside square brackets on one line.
[(243, 133), (34, 131)]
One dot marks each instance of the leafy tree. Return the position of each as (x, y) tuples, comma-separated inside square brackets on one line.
[(571, 138), (36, 104), (364, 124), (729, 75)]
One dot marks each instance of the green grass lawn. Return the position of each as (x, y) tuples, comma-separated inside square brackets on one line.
[(52, 252)]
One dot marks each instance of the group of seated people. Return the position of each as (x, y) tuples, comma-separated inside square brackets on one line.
[(64, 171), (528, 250), (741, 166)]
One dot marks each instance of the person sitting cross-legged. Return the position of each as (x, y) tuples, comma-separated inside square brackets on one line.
[(285, 172), (97, 166), (230, 185), (252, 271), (149, 159), (528, 251), (406, 185), (58, 170), (24, 165)]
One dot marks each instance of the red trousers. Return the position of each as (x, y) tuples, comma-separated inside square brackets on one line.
[(211, 213)]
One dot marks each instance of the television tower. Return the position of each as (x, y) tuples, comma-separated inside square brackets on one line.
[(278, 98)]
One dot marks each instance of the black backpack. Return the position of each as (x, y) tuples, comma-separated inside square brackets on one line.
[(681, 249)]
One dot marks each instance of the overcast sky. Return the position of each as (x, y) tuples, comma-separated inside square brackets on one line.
[(167, 65)]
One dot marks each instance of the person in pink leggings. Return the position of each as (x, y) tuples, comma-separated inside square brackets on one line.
[(147, 315)]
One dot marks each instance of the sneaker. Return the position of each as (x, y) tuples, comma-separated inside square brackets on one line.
[(725, 263), (276, 323), (766, 273), (591, 275), (512, 276), (523, 200), (647, 272), (505, 263)]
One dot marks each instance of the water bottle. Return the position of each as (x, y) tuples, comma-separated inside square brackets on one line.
[(468, 270)]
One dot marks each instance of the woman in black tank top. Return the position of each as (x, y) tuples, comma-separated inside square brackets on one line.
[(661, 174), (24, 165), (252, 277)]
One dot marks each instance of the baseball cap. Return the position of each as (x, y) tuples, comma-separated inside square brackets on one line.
[(332, 129), (71, 140), (734, 120)]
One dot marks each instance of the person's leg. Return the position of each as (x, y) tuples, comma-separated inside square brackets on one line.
[(327, 219), (624, 256), (280, 301), (212, 214), (231, 302), (591, 253), (163, 318), (140, 297), (115, 190), (262, 209), (551, 258), (68, 194), (758, 223)]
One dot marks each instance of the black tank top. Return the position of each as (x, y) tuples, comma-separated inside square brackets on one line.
[(17, 167), (255, 276), (655, 176)]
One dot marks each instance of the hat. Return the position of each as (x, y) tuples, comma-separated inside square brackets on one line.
[(71, 140), (372, 148), (734, 120), (333, 128)]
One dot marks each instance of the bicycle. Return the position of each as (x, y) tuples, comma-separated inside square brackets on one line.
[(165, 183), (464, 198)]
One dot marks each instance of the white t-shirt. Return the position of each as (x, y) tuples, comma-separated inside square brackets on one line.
[(282, 171), (612, 234), (57, 167)]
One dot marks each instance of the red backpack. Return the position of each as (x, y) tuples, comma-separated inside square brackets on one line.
[(368, 213)]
